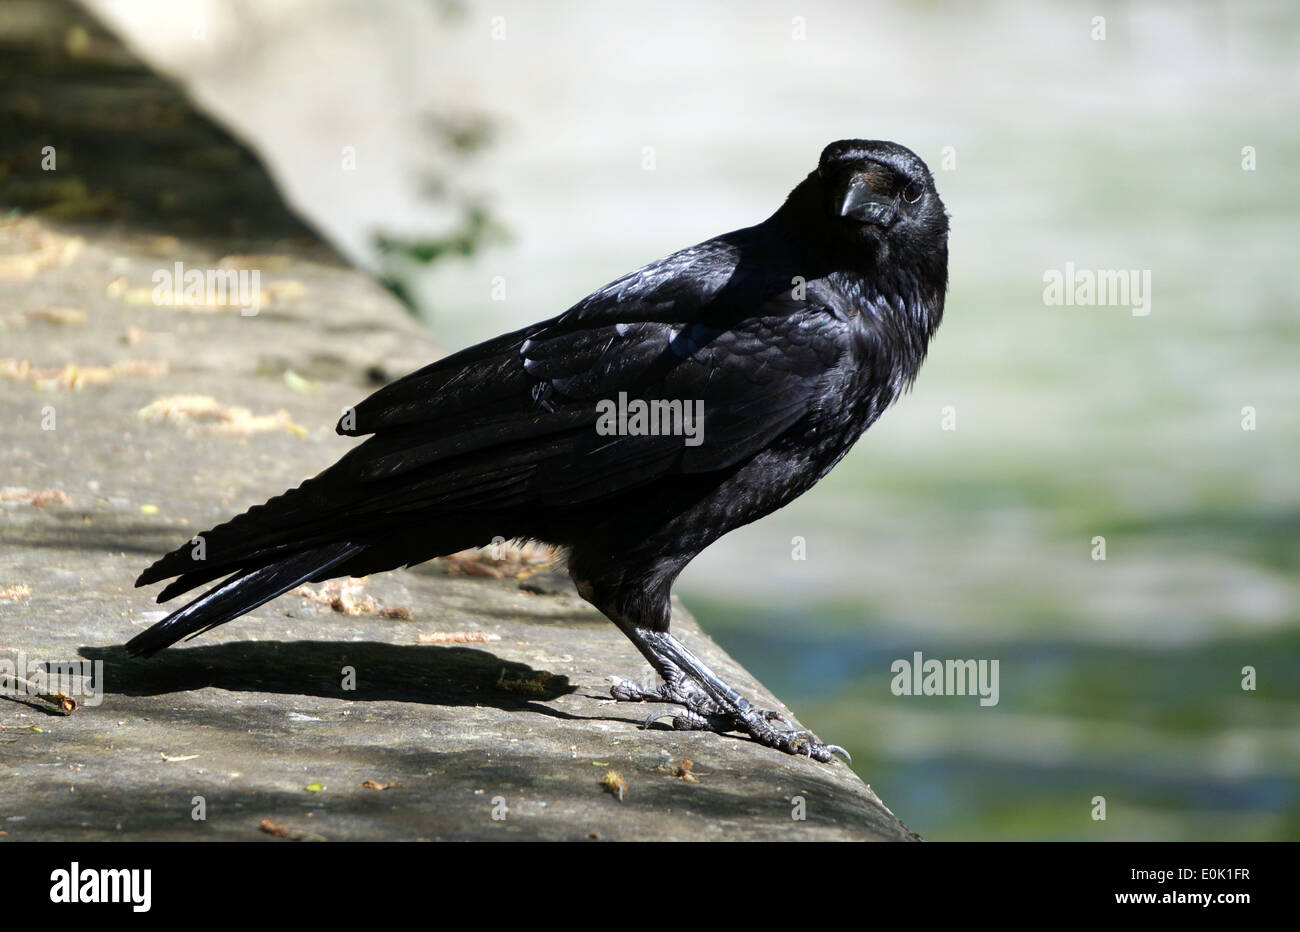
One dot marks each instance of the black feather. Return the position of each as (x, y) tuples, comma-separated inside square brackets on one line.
[(241, 593)]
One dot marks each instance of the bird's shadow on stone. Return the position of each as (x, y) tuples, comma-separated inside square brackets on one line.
[(430, 674)]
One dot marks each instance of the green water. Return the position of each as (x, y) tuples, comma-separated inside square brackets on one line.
[(1165, 734)]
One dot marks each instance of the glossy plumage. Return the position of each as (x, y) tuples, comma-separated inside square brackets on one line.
[(795, 334)]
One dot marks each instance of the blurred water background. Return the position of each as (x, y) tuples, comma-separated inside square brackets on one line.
[(1119, 678)]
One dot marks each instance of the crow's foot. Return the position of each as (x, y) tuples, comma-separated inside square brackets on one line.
[(758, 724), (682, 693), (725, 711)]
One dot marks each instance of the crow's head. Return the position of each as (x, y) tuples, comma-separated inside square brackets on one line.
[(881, 194)]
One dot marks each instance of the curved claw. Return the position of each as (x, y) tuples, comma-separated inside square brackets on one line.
[(655, 716), (836, 749)]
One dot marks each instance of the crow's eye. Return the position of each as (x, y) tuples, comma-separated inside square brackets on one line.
[(912, 193)]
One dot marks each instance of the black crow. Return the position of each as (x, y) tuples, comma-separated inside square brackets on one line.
[(789, 338)]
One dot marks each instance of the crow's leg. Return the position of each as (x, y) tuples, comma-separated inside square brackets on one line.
[(677, 689), (708, 702), (638, 603)]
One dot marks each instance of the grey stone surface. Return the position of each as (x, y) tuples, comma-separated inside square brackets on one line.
[(479, 684)]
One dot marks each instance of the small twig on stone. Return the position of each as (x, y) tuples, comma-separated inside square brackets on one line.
[(54, 703)]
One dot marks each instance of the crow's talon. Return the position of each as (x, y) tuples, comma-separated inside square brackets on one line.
[(692, 709), (683, 719), (685, 695), (654, 717), (792, 740)]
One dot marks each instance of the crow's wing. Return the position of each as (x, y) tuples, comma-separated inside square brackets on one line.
[(675, 290), (512, 423), (523, 410)]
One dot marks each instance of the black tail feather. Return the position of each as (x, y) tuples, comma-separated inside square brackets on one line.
[(241, 593)]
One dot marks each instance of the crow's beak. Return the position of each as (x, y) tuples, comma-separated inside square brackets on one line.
[(861, 202)]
